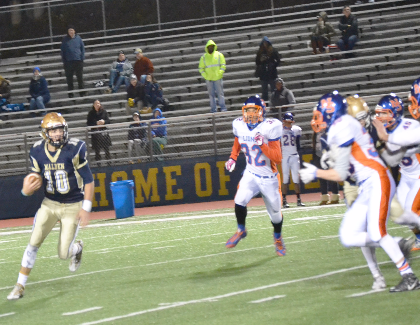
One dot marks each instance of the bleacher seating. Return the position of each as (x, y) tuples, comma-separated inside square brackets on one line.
[(386, 46)]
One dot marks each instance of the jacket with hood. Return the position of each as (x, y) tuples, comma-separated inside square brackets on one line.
[(136, 92), (39, 88), (5, 91), (124, 68), (212, 66), (267, 61), (159, 131), (344, 24), (326, 31), (72, 49)]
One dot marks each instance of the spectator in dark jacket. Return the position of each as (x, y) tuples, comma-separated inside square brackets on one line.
[(153, 94), (321, 33), (158, 132), (120, 72), (137, 137), (349, 32), (38, 89), (5, 92), (267, 61), (143, 66), (100, 138), (73, 55), (281, 96), (135, 95)]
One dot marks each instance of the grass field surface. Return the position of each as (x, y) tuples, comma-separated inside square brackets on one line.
[(175, 269)]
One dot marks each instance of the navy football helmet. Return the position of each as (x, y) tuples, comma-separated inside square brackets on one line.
[(288, 117), (330, 107), (414, 97), (252, 119), (390, 110)]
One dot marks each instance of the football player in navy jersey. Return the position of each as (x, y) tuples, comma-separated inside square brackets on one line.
[(68, 186)]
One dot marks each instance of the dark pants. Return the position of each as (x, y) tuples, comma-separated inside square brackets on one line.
[(325, 185), (319, 41), (264, 86), (71, 68)]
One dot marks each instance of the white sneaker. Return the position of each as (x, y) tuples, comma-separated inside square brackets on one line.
[(17, 292), (76, 260), (378, 283)]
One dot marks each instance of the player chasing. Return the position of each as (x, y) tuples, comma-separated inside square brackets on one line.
[(60, 164), (364, 223), (290, 146), (258, 138)]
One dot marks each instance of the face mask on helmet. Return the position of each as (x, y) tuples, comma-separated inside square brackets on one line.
[(389, 110), (253, 111), (50, 124), (414, 98), (330, 107)]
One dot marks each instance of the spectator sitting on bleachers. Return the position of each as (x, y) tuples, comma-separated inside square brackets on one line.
[(5, 92), (135, 95), (267, 61), (143, 66), (100, 138), (321, 33), (158, 133), (281, 96), (153, 94), (120, 72), (137, 137), (38, 89), (349, 31)]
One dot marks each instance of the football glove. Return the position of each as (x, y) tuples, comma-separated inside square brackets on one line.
[(230, 165), (259, 139), (329, 157), (131, 102), (308, 174)]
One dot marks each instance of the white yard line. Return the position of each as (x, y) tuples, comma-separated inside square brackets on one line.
[(163, 247), (8, 314), (81, 311), (360, 294), (267, 299)]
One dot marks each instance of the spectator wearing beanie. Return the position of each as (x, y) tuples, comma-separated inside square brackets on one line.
[(38, 89)]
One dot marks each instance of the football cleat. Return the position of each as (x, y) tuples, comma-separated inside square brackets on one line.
[(299, 203), (378, 282), (17, 292), (406, 245), (285, 204), (409, 282), (234, 240), (280, 248), (76, 260), (416, 246)]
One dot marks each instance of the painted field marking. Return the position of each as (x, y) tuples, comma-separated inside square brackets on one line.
[(163, 247), (360, 294), (267, 299), (8, 314), (81, 311)]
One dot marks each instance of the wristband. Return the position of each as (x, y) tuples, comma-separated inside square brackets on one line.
[(87, 205), (23, 193)]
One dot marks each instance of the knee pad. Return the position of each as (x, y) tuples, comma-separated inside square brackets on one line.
[(29, 256)]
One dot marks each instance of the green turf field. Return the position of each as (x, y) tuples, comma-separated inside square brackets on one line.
[(175, 269)]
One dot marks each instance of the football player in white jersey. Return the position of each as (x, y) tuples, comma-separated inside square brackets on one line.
[(390, 110), (290, 145), (258, 138), (365, 222)]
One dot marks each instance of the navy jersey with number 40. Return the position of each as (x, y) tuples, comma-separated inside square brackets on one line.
[(61, 179)]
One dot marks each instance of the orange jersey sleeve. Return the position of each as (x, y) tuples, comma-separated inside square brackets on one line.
[(272, 151), (236, 149)]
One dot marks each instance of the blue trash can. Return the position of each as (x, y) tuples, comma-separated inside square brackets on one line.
[(123, 198)]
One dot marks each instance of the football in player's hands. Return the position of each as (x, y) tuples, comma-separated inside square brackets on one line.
[(259, 139), (230, 165), (31, 183)]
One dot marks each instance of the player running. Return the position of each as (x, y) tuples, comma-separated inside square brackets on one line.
[(364, 223), (290, 146), (258, 138), (68, 186)]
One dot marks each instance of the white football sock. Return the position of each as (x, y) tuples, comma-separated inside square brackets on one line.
[(22, 279)]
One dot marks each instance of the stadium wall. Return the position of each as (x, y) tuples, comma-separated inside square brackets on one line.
[(192, 180)]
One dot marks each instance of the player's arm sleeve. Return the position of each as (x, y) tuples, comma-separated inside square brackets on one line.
[(393, 157), (236, 149), (342, 163), (272, 151), (411, 137), (34, 163), (82, 166), (298, 142)]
